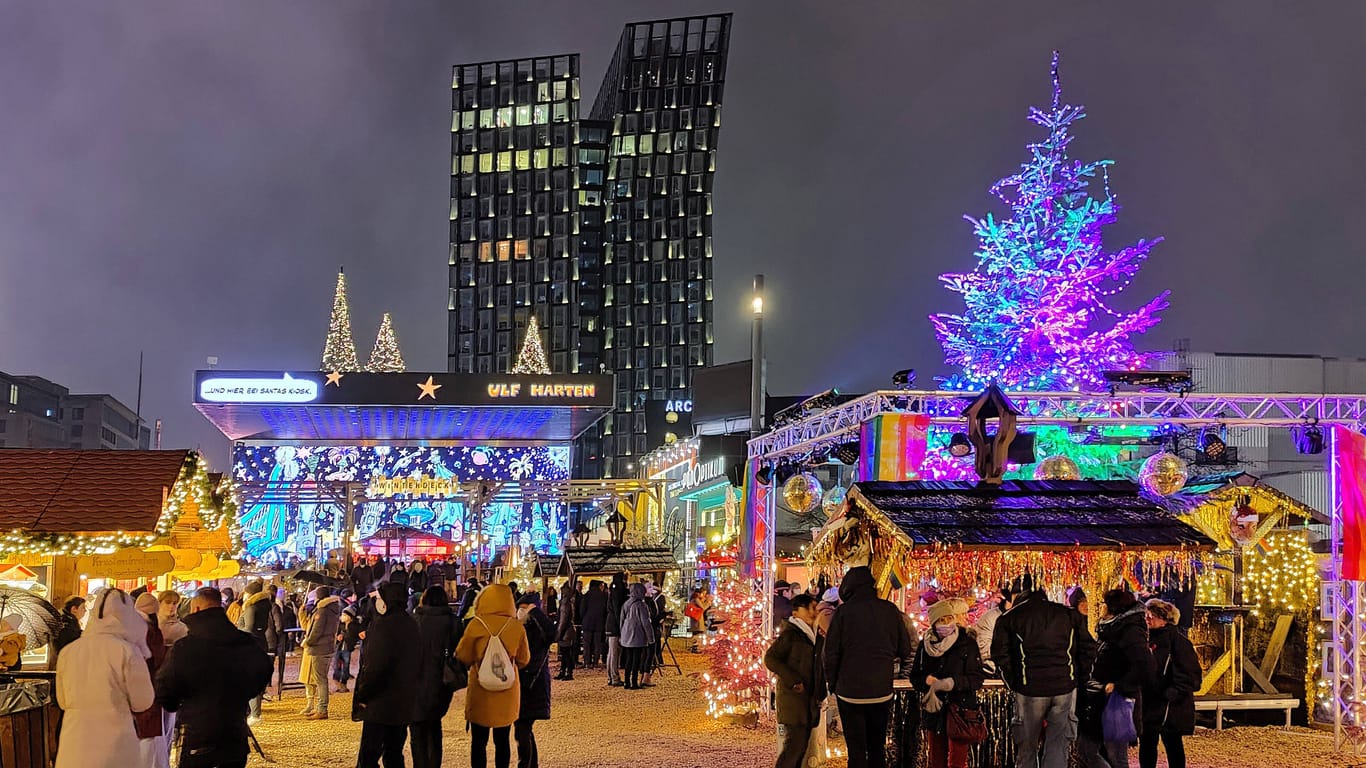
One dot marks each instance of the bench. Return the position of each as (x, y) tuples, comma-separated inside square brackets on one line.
[(1247, 701)]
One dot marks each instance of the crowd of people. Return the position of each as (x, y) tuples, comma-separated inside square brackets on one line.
[(840, 649), (133, 669)]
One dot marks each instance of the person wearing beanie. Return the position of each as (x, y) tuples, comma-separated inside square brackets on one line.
[(1123, 667), (1169, 714), (389, 676), (825, 609), (534, 679), (319, 643), (947, 671), (1076, 600), (150, 723), (438, 633), (795, 659)]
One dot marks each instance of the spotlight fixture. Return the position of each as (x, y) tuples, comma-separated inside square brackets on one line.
[(847, 453), (765, 474), (1021, 449), (959, 445), (1211, 444), (904, 379), (1167, 381), (1308, 439), (784, 472)]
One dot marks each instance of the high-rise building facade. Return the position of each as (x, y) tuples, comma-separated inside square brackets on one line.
[(601, 226)]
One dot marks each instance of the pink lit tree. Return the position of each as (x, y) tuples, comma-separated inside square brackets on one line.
[(1037, 307)]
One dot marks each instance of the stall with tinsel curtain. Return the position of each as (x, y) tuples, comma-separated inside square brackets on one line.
[(1256, 620), (928, 540), (89, 517)]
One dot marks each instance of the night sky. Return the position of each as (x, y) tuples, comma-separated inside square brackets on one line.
[(184, 177)]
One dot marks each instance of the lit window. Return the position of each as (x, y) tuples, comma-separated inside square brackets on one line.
[(504, 250), (486, 162), (523, 160), (524, 115), (485, 252), (541, 158), (485, 118), (504, 161), (505, 117), (520, 251)]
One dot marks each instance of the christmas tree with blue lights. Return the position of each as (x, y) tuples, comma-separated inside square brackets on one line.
[(1038, 312)]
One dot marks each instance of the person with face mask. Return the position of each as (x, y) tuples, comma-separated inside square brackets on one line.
[(795, 658), (102, 680), (389, 667), (947, 672), (535, 679)]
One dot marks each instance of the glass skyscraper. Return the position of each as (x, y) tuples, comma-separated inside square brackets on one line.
[(601, 226)]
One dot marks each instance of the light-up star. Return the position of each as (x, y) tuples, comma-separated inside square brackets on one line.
[(428, 388), (334, 378)]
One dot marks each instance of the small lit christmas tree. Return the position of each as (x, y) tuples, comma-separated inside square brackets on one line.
[(339, 352), (532, 357), (386, 357), (1037, 304), (738, 678)]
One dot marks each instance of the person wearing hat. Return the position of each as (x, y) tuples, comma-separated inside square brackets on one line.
[(1123, 667), (1169, 697), (782, 603), (534, 679), (947, 672), (795, 659)]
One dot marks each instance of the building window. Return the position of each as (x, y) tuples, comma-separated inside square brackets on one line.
[(78, 414), (77, 430), (14, 394), (107, 435), (2, 425)]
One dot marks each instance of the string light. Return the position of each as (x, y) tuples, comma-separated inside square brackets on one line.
[(386, 357), (532, 357), (1281, 573), (339, 351), (738, 678), (1042, 277)]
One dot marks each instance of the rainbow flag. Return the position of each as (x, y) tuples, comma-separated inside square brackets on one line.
[(892, 446)]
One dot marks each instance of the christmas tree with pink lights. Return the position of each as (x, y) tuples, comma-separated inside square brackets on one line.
[(1038, 312)]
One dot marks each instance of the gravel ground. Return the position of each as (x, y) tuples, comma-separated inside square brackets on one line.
[(594, 726)]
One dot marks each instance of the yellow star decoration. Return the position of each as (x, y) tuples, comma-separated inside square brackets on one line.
[(428, 388), (334, 377)]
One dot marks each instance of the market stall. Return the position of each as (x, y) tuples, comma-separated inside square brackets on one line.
[(936, 538)]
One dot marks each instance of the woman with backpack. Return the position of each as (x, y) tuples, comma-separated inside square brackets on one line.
[(494, 647), (436, 625)]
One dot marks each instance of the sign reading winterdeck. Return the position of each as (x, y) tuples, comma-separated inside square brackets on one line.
[(422, 485)]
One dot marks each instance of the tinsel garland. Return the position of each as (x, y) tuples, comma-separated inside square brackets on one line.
[(908, 747)]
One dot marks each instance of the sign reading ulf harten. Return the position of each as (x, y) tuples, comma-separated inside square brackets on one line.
[(547, 390)]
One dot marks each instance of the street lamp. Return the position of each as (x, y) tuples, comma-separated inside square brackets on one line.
[(581, 535), (616, 527)]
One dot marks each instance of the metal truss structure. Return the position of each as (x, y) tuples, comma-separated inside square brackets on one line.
[(1344, 601)]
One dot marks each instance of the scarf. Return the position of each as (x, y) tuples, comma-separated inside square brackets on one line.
[(805, 628), (935, 646)]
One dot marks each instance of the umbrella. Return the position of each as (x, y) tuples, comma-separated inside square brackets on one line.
[(39, 620)]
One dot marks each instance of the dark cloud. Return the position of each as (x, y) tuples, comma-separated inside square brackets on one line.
[(184, 177)]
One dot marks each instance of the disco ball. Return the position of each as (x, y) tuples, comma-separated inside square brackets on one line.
[(1057, 468), (833, 498), (802, 492), (1163, 474)]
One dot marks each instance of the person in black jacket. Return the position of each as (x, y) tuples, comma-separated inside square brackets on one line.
[(567, 635), (593, 618), (866, 640), (1042, 649), (362, 577), (1169, 697), (437, 629), (947, 671), (795, 659), (389, 668), (258, 620), (534, 678), (1123, 667), (616, 600), (73, 610), (208, 677)]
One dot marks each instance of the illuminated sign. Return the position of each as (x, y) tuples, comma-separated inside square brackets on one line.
[(514, 389), (678, 406), (234, 389), (422, 485)]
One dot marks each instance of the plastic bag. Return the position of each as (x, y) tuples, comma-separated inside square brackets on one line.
[(1117, 721)]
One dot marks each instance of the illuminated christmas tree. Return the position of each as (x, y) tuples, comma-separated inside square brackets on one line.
[(532, 357), (738, 678), (339, 352), (386, 357), (1038, 314)]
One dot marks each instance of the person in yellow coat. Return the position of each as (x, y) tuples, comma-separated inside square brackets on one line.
[(492, 711)]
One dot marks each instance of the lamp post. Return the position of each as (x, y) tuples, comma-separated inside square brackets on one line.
[(616, 527), (757, 372)]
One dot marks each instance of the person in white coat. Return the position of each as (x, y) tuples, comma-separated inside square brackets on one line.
[(102, 679)]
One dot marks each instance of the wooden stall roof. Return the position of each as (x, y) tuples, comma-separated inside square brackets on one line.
[(1202, 490), (1027, 515), (592, 561), (70, 491)]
